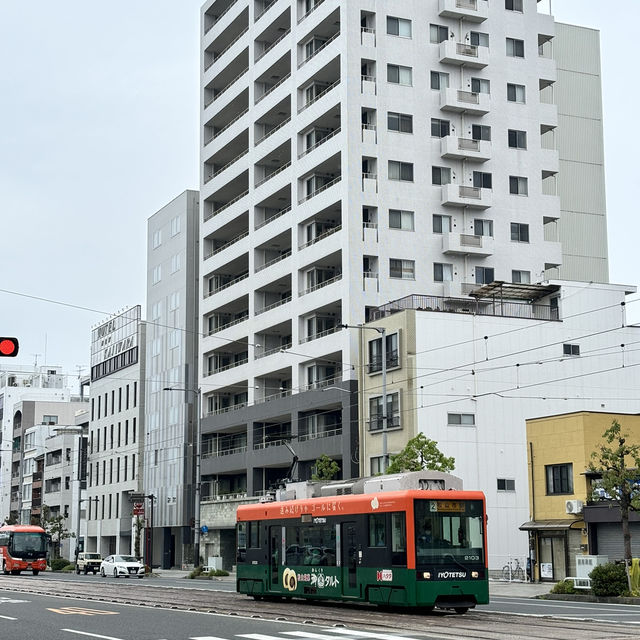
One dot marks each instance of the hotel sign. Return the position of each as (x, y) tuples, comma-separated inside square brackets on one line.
[(115, 336)]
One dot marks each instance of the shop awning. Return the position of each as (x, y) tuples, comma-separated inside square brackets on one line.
[(537, 525)]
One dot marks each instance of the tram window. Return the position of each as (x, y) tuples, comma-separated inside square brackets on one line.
[(377, 530), (242, 541), (311, 545), (398, 539), (254, 535)]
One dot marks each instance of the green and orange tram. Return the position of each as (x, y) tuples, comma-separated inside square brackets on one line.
[(404, 548)]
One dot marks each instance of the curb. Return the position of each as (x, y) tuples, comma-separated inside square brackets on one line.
[(572, 597)]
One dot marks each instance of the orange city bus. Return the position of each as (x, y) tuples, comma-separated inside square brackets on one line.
[(412, 548), (23, 547)]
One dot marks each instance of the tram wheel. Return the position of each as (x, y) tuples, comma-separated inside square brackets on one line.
[(461, 610), (36, 572)]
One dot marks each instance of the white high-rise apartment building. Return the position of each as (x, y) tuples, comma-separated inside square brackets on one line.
[(357, 152)]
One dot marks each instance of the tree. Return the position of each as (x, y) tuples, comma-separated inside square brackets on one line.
[(12, 518), (326, 469), (55, 527), (139, 526), (618, 464), (421, 453)]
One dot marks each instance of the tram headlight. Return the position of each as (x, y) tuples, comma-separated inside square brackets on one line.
[(426, 575), (474, 574)]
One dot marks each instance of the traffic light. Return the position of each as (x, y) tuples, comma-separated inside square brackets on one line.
[(8, 347)]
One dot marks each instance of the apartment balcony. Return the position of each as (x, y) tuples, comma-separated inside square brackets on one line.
[(456, 148), (228, 50), (470, 10), (219, 18), (459, 101), (264, 9), (456, 195), (461, 53), (464, 244)]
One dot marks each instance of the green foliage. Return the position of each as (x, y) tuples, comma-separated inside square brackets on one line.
[(12, 518), (609, 580), (421, 453), (55, 527), (216, 573), (58, 564), (196, 573), (326, 469), (138, 525), (564, 586)]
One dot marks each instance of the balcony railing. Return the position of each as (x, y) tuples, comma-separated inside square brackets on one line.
[(320, 434), (321, 384), (273, 261), (228, 86), (324, 92), (265, 8), (269, 352), (232, 407), (320, 334), (232, 323), (468, 96), (322, 236), (275, 216), (219, 17), (217, 172), (272, 131), (226, 367), (463, 49), (224, 452), (217, 56), (226, 126), (315, 6), (377, 424), (226, 245), (320, 285), (273, 88), (467, 240), (244, 276), (324, 187), (335, 132), (226, 205), (392, 361), (272, 44), (322, 47), (286, 165), (273, 305)]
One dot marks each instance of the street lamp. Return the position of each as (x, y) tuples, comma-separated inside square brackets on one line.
[(196, 510), (383, 332)]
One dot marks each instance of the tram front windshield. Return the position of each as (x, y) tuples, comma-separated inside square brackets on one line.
[(449, 530)]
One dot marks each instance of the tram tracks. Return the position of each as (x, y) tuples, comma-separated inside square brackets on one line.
[(479, 625)]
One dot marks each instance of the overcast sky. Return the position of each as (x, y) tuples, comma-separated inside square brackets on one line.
[(99, 116)]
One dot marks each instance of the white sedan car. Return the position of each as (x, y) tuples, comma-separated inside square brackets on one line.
[(117, 566)]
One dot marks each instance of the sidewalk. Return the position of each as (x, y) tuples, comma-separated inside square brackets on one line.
[(519, 589)]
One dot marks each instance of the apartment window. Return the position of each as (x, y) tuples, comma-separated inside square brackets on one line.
[(377, 465), (438, 33), (440, 128), (111, 436), (400, 219), (175, 263), (480, 85), (399, 27), (111, 471), (518, 186), (126, 461), (440, 175), (402, 122), (481, 132), (559, 478), (442, 272), (118, 470), (513, 5), (49, 419), (135, 395), (515, 48), (439, 80), (376, 422), (133, 466), (461, 419), (403, 269), (571, 349), (441, 224), (156, 274), (174, 301), (175, 226), (521, 277), (516, 93), (375, 353), (506, 484), (400, 171), (484, 275), (156, 239), (398, 74), (517, 139), (67, 483), (479, 39), (133, 431), (482, 179), (519, 232)]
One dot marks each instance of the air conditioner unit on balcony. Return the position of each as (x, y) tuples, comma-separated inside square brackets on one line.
[(573, 506)]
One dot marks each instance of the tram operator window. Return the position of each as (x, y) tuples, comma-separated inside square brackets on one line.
[(377, 530)]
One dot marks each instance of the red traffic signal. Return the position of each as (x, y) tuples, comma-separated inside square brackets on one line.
[(8, 347)]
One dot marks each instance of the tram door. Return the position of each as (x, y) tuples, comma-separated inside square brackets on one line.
[(275, 534), (349, 559)]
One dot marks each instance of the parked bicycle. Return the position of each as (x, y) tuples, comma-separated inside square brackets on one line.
[(513, 570)]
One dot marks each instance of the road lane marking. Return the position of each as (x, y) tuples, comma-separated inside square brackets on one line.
[(91, 635), (4, 600), (308, 634), (8, 618), (81, 611), (205, 638), (368, 634)]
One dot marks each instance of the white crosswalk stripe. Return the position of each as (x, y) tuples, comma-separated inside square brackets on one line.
[(205, 638), (257, 636), (313, 636), (367, 634)]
